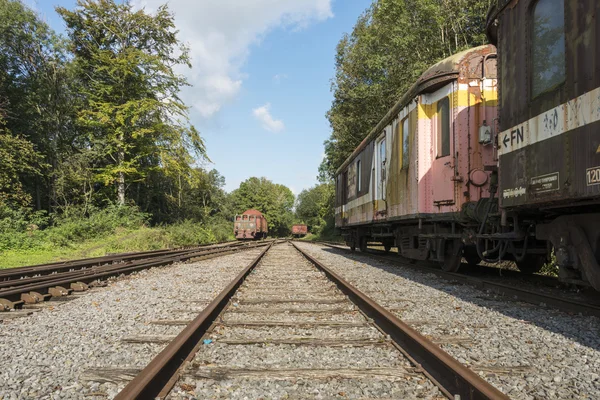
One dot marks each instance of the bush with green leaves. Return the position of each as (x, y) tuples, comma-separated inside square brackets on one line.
[(78, 225)]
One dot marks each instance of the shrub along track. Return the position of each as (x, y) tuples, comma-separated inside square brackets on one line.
[(526, 290), (287, 318), (27, 286)]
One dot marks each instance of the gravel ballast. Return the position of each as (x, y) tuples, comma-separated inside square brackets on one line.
[(290, 333), (45, 355), (526, 351)]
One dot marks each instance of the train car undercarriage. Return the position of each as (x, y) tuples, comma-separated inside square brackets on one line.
[(571, 242)]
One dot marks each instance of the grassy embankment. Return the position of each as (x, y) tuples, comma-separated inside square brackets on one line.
[(33, 239)]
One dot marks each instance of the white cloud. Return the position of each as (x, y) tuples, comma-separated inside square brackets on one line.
[(220, 34), (279, 77), (268, 122)]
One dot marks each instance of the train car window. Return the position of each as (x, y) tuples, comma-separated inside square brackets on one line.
[(548, 45), (358, 177), (443, 136), (405, 143)]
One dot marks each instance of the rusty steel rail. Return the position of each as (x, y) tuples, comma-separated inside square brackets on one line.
[(452, 377), (512, 292), (50, 268), (18, 292), (156, 379)]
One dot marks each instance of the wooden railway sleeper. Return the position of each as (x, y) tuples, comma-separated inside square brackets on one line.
[(32, 297), (59, 291), (79, 287), (6, 305)]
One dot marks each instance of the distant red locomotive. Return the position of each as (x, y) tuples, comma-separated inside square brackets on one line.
[(251, 225), (299, 230)]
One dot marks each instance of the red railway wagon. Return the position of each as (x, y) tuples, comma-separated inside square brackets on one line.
[(251, 225), (423, 176), (299, 230)]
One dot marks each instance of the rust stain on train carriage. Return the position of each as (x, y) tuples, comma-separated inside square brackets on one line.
[(411, 187), (433, 78), (559, 128)]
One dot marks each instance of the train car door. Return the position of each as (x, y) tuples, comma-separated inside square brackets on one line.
[(443, 162), (380, 176)]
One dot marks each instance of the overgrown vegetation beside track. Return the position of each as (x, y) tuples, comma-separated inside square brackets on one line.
[(34, 238), (93, 158)]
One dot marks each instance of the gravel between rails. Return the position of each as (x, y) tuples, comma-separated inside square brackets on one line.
[(286, 288), (43, 356), (526, 351)]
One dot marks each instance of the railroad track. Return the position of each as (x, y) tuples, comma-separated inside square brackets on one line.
[(30, 285), (51, 268), (589, 306), (287, 318)]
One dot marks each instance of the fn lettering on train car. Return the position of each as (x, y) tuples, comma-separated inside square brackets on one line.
[(593, 176), (514, 137)]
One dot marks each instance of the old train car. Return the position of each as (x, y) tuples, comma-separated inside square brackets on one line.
[(424, 174), (251, 225), (299, 230), (549, 131)]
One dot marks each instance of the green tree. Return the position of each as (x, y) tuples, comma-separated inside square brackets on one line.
[(34, 89), (19, 160), (275, 201), (314, 207), (132, 113)]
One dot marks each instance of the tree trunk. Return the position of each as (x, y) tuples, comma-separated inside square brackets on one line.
[(38, 195), (121, 180)]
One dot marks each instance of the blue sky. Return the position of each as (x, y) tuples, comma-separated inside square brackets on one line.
[(261, 79)]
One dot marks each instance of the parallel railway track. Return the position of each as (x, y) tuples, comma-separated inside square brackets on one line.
[(532, 296), (286, 290), (34, 284)]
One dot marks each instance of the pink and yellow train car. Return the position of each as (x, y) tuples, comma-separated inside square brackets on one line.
[(422, 179)]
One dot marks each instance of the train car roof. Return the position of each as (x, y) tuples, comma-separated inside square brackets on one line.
[(252, 212), (433, 78)]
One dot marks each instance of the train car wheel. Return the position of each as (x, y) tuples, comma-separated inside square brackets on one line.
[(452, 256), (531, 264), (362, 244), (387, 247)]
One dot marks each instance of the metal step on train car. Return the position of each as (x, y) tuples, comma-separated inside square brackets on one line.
[(491, 167)]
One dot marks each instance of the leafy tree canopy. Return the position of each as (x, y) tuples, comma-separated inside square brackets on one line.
[(125, 61), (314, 207), (273, 200)]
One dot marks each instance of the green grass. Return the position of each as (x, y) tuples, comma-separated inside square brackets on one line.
[(121, 241)]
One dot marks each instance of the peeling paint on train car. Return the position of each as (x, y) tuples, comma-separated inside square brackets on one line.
[(548, 141), (412, 188)]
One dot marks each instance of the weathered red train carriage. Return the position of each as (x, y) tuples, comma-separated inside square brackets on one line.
[(549, 134), (299, 230), (251, 225), (423, 176)]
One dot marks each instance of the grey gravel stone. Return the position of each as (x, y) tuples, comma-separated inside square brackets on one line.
[(526, 351), (44, 355), (287, 289)]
